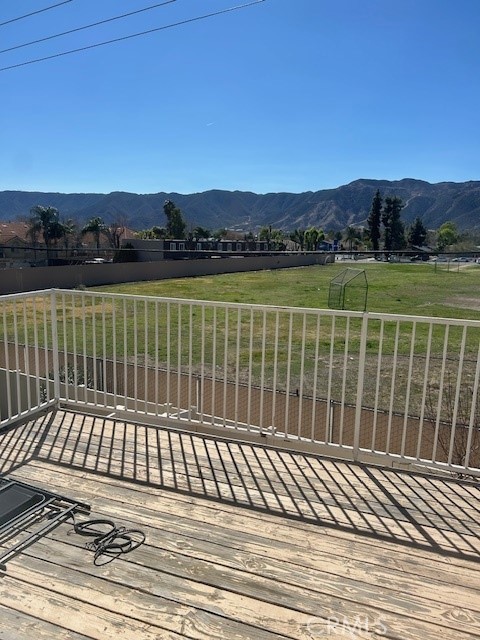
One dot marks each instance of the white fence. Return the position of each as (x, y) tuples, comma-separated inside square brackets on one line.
[(367, 386)]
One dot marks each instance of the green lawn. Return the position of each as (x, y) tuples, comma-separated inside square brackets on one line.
[(412, 289), (260, 347), (417, 289)]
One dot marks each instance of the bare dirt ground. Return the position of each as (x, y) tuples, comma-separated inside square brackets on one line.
[(464, 302)]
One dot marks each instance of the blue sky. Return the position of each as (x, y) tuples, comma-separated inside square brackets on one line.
[(286, 95)]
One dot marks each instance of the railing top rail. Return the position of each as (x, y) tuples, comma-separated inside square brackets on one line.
[(284, 308), (26, 294), (210, 303), (371, 315)]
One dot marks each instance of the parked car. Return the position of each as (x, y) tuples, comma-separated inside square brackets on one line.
[(95, 261)]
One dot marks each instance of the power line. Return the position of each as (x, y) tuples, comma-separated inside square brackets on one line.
[(27, 15), (88, 26), (133, 35)]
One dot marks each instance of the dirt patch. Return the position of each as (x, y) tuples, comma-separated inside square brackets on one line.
[(464, 302)]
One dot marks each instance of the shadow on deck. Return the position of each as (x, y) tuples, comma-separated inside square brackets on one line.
[(427, 512)]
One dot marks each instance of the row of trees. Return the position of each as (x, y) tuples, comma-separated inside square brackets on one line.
[(385, 229), (176, 228), (384, 222), (45, 223), (387, 214)]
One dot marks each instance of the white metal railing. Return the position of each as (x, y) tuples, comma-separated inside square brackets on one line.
[(366, 386), (27, 351)]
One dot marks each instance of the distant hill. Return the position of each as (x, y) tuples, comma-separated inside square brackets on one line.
[(330, 208)]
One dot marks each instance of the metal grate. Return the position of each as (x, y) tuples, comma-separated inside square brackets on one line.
[(28, 513)]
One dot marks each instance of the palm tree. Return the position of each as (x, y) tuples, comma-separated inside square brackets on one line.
[(312, 237), (351, 236), (298, 236), (96, 227), (45, 221), (33, 233), (69, 229), (265, 233)]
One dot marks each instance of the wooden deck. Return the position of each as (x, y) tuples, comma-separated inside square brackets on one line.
[(241, 542)]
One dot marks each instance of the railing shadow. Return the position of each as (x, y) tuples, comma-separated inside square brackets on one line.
[(20, 442), (423, 511)]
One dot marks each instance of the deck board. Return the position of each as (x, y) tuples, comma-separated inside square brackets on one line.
[(16, 625), (251, 483), (242, 541)]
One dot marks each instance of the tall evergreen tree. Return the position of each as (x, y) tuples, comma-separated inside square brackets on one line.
[(374, 220), (176, 225), (394, 238), (417, 234)]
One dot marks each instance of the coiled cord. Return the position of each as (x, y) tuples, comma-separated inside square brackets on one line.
[(109, 540)]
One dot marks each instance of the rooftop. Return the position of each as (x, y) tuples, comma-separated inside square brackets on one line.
[(242, 541)]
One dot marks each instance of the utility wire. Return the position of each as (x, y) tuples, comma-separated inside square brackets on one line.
[(27, 15), (88, 26), (133, 35)]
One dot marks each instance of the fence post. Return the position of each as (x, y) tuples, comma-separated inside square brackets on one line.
[(360, 381), (55, 354)]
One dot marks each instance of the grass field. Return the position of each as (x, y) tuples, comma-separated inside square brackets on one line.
[(416, 289), (406, 289), (281, 349)]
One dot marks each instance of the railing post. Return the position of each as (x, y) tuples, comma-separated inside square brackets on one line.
[(55, 354), (360, 381)]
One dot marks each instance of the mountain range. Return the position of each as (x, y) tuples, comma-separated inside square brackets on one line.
[(330, 209)]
